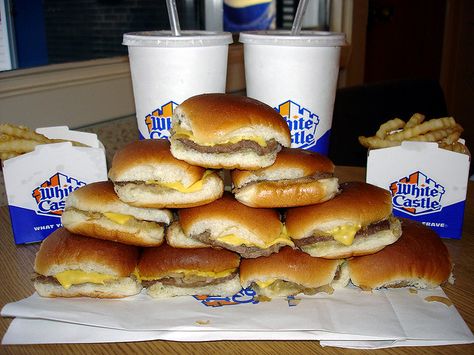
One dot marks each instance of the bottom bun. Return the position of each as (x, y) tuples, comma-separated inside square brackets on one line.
[(156, 196), (134, 232), (123, 287), (332, 249), (244, 160), (227, 288)]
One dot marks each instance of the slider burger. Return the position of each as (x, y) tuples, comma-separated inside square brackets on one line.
[(94, 210), (418, 259), (227, 131), (290, 272), (70, 265), (227, 223), (145, 174), (297, 178), (358, 221), (167, 272)]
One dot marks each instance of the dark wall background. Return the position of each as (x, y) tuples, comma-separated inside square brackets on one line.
[(91, 29)]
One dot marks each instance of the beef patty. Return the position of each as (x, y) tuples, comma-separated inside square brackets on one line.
[(272, 146), (190, 281), (243, 250)]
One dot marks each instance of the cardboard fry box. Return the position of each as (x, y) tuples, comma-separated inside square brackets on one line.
[(427, 183), (38, 183)]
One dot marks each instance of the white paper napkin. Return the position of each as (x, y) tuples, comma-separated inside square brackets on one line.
[(38, 331), (347, 318)]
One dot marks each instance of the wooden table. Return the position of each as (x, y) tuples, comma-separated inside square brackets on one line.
[(16, 265)]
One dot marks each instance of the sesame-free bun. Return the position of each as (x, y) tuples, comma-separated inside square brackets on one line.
[(203, 266), (86, 209), (358, 204), (141, 167), (418, 259), (297, 178), (63, 251), (223, 119), (260, 228), (294, 267)]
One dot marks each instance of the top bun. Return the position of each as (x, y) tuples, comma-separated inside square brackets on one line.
[(218, 118), (358, 203), (151, 159), (418, 258), (63, 250)]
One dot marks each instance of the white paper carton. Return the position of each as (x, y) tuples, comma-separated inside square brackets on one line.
[(38, 183), (427, 183)]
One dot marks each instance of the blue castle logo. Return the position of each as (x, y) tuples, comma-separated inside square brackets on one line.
[(51, 195), (417, 194), (302, 123)]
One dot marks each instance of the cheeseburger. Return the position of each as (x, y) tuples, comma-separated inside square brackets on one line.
[(227, 131), (297, 178), (358, 221), (290, 272), (227, 223), (167, 272), (94, 210), (70, 265), (145, 174), (418, 259)]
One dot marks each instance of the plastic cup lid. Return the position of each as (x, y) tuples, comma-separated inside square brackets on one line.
[(303, 39), (166, 39)]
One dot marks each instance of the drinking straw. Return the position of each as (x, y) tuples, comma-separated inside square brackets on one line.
[(173, 16), (298, 20)]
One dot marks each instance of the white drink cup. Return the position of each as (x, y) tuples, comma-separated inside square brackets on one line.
[(296, 75), (167, 69)]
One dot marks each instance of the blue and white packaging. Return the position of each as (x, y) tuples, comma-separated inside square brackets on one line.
[(427, 183), (38, 183)]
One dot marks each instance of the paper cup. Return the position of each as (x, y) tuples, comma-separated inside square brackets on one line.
[(167, 69), (297, 75)]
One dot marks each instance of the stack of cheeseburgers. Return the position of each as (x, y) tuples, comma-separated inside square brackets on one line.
[(284, 225)]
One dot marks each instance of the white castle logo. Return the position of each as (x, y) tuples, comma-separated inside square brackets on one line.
[(417, 194), (51, 195), (302, 123), (159, 121)]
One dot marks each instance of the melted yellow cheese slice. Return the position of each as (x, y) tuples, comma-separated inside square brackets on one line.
[(74, 277), (345, 234), (118, 217), (188, 134), (234, 239), (200, 273), (263, 284), (197, 186)]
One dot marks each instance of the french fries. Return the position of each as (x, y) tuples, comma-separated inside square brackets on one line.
[(445, 131), (17, 140)]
